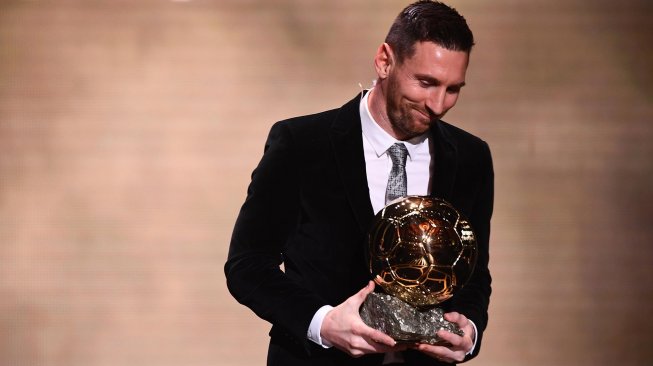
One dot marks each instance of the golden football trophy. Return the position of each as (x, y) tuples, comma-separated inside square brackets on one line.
[(422, 250)]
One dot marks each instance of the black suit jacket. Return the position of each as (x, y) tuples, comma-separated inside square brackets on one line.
[(308, 207)]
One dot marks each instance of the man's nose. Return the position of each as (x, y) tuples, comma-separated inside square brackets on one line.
[(435, 101)]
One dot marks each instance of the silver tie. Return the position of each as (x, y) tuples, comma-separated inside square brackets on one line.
[(397, 181)]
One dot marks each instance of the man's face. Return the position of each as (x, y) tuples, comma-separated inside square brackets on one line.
[(422, 88)]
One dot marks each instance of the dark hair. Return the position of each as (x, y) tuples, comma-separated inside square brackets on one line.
[(430, 21)]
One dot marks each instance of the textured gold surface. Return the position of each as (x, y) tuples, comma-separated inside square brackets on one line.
[(421, 250)]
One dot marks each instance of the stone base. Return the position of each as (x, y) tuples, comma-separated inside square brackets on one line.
[(403, 322)]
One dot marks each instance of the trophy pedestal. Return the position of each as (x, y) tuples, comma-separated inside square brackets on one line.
[(403, 322)]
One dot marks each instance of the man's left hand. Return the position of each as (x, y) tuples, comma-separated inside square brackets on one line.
[(458, 346)]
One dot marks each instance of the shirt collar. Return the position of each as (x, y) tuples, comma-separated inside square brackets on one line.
[(381, 140)]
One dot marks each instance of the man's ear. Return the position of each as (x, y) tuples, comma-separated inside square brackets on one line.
[(384, 60)]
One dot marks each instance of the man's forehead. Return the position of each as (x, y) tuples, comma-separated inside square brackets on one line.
[(430, 57)]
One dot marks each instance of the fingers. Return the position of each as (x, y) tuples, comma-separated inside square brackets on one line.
[(456, 342), (344, 329), (466, 326), (458, 346), (441, 353), (364, 340), (367, 332), (360, 297), (457, 318), (379, 337)]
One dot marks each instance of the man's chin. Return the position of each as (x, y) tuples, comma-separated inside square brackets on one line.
[(422, 126), (414, 131), (409, 128), (422, 122)]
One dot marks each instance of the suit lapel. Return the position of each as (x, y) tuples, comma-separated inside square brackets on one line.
[(445, 162), (347, 142)]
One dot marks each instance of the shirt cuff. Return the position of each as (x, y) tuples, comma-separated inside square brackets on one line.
[(475, 338), (316, 325)]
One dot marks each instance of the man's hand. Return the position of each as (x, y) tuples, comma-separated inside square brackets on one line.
[(344, 329), (459, 346)]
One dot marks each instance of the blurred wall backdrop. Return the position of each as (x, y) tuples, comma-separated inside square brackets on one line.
[(128, 130)]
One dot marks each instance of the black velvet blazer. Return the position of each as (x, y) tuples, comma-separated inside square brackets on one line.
[(308, 207)]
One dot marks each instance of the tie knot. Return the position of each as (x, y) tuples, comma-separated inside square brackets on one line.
[(398, 154)]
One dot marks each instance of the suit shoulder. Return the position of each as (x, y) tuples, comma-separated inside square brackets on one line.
[(317, 126), (302, 134), (471, 149), (460, 135), (307, 124)]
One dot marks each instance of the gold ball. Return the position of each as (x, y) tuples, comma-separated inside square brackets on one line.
[(422, 250)]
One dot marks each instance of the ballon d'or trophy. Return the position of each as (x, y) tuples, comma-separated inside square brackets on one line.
[(422, 250)]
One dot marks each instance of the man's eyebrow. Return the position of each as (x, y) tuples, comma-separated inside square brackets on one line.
[(435, 81)]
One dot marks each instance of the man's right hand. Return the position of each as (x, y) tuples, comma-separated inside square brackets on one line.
[(344, 329)]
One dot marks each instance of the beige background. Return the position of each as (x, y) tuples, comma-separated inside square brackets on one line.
[(128, 130)]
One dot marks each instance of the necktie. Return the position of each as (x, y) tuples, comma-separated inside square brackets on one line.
[(397, 181)]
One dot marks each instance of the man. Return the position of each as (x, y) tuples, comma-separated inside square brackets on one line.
[(324, 176)]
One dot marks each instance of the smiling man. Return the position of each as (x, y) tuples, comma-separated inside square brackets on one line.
[(322, 178), (417, 92)]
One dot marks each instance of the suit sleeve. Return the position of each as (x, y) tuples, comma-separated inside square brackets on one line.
[(264, 224)]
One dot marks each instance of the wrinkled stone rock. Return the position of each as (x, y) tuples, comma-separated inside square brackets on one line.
[(403, 322)]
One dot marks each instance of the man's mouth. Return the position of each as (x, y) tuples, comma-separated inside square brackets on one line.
[(426, 118)]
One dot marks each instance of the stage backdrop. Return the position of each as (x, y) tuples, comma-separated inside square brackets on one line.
[(128, 131)]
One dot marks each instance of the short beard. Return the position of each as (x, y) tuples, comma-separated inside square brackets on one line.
[(399, 118)]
